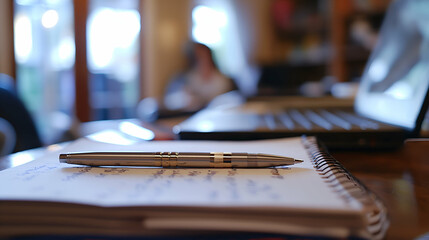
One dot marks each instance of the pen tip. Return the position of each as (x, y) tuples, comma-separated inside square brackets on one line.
[(298, 161)]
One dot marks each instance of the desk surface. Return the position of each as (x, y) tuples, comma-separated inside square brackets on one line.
[(400, 178)]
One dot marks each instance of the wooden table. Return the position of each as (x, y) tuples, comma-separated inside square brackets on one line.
[(400, 178)]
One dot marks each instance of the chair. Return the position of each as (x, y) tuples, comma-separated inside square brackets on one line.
[(7, 138), (14, 114)]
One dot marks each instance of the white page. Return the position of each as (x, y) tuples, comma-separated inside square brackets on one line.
[(295, 186)]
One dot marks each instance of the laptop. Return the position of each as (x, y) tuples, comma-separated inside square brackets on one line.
[(389, 107)]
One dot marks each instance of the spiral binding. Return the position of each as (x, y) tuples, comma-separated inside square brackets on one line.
[(348, 187)]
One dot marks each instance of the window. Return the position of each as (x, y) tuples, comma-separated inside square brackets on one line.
[(45, 57), (113, 29), (46, 49)]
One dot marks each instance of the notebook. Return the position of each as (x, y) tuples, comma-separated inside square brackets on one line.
[(316, 198), (390, 104)]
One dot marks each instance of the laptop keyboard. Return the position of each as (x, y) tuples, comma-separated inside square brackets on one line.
[(324, 119)]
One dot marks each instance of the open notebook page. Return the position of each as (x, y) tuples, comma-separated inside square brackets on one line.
[(297, 186)]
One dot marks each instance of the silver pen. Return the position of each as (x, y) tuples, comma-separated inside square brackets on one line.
[(178, 159)]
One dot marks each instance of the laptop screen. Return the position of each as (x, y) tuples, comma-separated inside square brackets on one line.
[(396, 79)]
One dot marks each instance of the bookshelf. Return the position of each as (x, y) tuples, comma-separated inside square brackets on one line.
[(354, 26), (333, 35)]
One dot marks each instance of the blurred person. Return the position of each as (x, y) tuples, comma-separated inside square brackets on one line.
[(199, 84)]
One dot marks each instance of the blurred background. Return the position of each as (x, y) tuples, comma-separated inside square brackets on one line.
[(73, 61)]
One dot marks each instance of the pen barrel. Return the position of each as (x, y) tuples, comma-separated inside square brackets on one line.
[(207, 160), (226, 160), (176, 159), (112, 159), (258, 160)]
